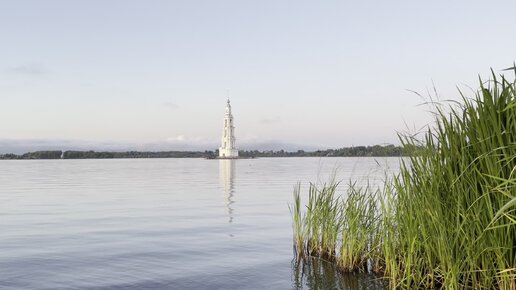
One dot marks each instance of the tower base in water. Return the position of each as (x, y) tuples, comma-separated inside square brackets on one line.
[(226, 153)]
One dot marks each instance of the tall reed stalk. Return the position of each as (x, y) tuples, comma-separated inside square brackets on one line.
[(298, 225)]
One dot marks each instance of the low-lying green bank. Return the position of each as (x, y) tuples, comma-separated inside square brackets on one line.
[(357, 151), (71, 154), (446, 221)]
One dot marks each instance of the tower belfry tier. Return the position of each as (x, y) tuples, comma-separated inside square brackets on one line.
[(228, 149)]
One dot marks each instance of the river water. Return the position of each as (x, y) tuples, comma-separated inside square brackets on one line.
[(165, 223)]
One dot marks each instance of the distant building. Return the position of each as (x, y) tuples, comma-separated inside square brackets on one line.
[(228, 149)]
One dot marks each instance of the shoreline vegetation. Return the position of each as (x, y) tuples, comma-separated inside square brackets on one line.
[(356, 151), (447, 220)]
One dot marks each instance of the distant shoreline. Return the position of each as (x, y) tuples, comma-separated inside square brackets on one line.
[(356, 151)]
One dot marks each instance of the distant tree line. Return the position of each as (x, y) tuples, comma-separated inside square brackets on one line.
[(34, 155), (356, 151), (106, 155), (132, 154)]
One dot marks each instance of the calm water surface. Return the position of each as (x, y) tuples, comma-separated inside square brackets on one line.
[(164, 223)]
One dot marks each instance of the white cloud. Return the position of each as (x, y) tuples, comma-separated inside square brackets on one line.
[(179, 138), (273, 120), (28, 69), (171, 105)]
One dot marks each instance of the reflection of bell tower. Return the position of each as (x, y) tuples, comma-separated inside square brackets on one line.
[(227, 148), (227, 174)]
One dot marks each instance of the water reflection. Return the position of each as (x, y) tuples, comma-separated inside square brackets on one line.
[(227, 175), (314, 273)]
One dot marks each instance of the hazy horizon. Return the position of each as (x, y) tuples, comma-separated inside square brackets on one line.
[(317, 74), (19, 146)]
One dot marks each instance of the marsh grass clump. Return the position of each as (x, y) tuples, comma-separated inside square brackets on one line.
[(359, 215), (322, 220), (298, 225), (336, 227), (449, 194), (448, 219)]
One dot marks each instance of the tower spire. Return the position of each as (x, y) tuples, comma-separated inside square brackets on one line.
[(227, 148)]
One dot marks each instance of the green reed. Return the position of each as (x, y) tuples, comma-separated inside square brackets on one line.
[(358, 220), (448, 196), (298, 225), (448, 219), (322, 218)]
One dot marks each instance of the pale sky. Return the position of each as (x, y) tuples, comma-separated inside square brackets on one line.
[(319, 73)]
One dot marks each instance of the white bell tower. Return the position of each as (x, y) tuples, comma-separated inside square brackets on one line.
[(228, 149)]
